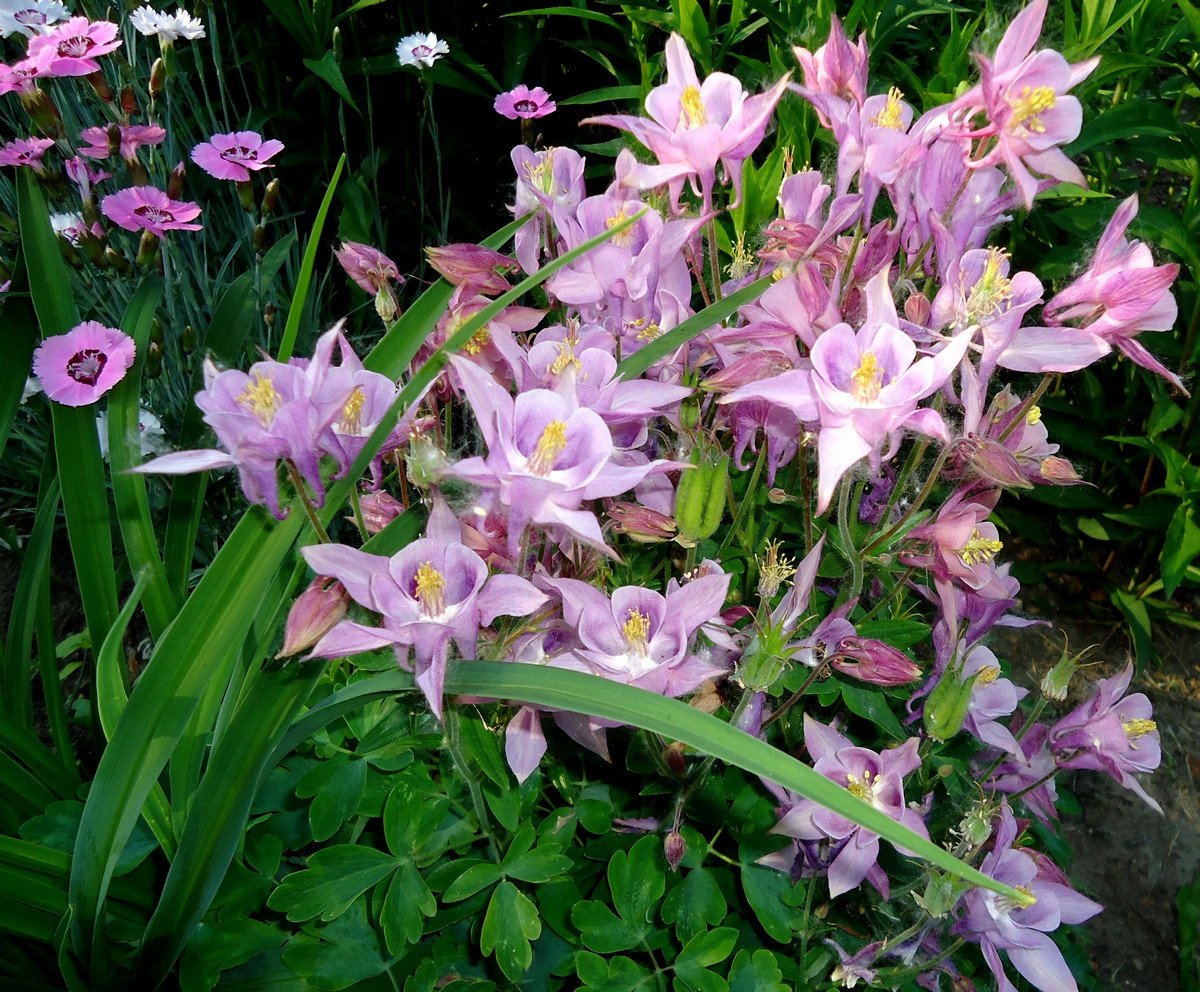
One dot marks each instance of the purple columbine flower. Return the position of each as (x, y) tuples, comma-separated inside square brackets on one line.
[(837, 70), (524, 103), (996, 923), (693, 126), (1111, 733), (235, 155), (1030, 774), (544, 459), (548, 181), (433, 593), (876, 779)]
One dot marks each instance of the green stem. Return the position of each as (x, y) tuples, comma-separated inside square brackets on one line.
[(934, 472), (358, 515), (794, 698), (852, 556), (453, 724), (302, 492)]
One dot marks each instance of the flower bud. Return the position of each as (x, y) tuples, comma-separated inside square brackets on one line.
[(113, 134), (1058, 472), (156, 332), (869, 660), (473, 265), (270, 198), (313, 615), (751, 368), (918, 309), (158, 78), (187, 340), (129, 104), (992, 462), (640, 523), (269, 313), (175, 181), (1057, 681), (946, 707), (700, 495), (117, 261), (674, 848), (100, 87), (258, 238), (154, 357), (378, 510)]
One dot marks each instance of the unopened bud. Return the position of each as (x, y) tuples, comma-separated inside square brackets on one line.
[(100, 86), (258, 238), (385, 304), (269, 312), (113, 134), (117, 261), (176, 180), (640, 523), (751, 368), (946, 706), (270, 198), (674, 848), (480, 267), (154, 360), (129, 104), (869, 660), (918, 309), (673, 756), (336, 44), (313, 615), (378, 510), (187, 340), (1058, 472), (990, 461), (777, 496), (156, 332), (245, 190), (158, 77)]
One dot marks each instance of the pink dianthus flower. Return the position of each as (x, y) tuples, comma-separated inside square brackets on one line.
[(235, 155), (79, 367), (147, 208)]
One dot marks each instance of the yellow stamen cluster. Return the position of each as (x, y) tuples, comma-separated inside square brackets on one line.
[(643, 329), (979, 549), (773, 570), (867, 379), (890, 116), (625, 238), (637, 631), (691, 106), (479, 340), (1026, 108), (430, 590), (993, 288), (1006, 904), (987, 675), (1138, 728), (861, 788), (565, 359), (351, 422), (550, 445), (1033, 414), (541, 175), (262, 399), (742, 260)]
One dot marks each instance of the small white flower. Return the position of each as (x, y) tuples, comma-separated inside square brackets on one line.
[(168, 27), (150, 433), (70, 226), (423, 49), (32, 388), (30, 17)]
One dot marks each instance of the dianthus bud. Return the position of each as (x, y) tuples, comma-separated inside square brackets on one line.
[(154, 357), (100, 86), (700, 495), (158, 77), (869, 660), (640, 523), (946, 707), (313, 615), (175, 181), (113, 134), (270, 198), (117, 261), (258, 238), (129, 104), (674, 848), (156, 332), (378, 510), (187, 340)]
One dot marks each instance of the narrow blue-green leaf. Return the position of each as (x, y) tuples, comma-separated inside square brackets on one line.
[(603, 95), (708, 318), (398, 346), (579, 12), (111, 700), (160, 601), (76, 443), (577, 692), (18, 645), (304, 282)]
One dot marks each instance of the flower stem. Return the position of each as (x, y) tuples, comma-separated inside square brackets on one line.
[(852, 556), (917, 504), (454, 746), (302, 492), (358, 514), (794, 698)]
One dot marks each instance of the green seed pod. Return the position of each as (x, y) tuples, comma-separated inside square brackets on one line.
[(700, 496), (946, 707), (187, 340)]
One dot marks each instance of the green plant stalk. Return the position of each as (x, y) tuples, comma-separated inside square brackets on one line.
[(852, 556)]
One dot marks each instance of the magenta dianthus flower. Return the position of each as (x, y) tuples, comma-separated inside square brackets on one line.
[(76, 44), (79, 367), (523, 102), (25, 153), (235, 155), (147, 208), (133, 137)]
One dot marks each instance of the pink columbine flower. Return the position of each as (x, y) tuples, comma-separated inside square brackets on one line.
[(478, 269), (836, 70), (76, 45), (692, 126), (30, 17), (235, 155), (25, 153), (133, 137), (1119, 295), (79, 367), (374, 274), (147, 208), (546, 181), (1028, 116), (523, 102), (544, 459), (434, 592), (876, 779)]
